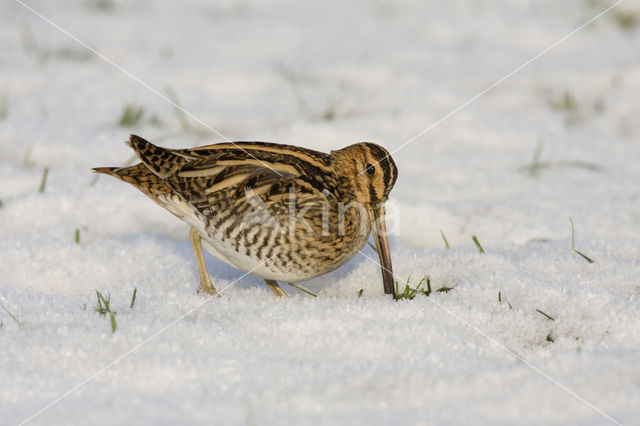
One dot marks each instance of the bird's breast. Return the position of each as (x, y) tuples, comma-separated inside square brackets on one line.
[(287, 244)]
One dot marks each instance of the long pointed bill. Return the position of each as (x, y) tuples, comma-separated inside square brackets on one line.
[(379, 227)]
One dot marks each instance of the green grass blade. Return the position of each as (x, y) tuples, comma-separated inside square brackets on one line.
[(301, 288), (133, 298), (477, 243), (131, 115), (100, 308), (549, 317), (584, 256), (43, 182), (113, 322), (446, 243)]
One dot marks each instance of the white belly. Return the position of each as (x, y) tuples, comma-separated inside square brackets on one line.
[(261, 268), (224, 249)]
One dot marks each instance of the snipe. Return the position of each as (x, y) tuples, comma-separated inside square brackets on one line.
[(281, 212)]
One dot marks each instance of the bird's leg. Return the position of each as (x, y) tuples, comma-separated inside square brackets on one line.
[(275, 288), (205, 282)]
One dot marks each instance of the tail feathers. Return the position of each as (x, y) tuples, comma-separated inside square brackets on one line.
[(140, 177), (111, 171), (161, 161), (131, 174), (134, 175)]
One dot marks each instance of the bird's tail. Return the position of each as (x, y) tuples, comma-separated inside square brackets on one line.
[(139, 176), (157, 163), (111, 171), (160, 161)]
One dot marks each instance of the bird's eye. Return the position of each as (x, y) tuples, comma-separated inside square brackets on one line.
[(370, 168)]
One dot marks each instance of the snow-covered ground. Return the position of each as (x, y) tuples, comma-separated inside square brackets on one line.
[(324, 75)]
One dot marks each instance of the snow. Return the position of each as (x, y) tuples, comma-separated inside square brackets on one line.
[(325, 75)]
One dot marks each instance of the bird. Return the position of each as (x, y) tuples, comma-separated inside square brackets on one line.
[(280, 212)]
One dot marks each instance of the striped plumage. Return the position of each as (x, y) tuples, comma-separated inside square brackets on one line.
[(282, 212)]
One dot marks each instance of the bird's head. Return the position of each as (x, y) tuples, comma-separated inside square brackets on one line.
[(369, 172)]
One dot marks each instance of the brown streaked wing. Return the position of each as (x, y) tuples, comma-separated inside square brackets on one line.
[(311, 172), (228, 191), (204, 189), (270, 150)]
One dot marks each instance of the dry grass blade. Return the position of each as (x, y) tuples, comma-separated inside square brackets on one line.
[(573, 245), (576, 164), (4, 108), (533, 168), (26, 160), (10, 314), (536, 165)]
